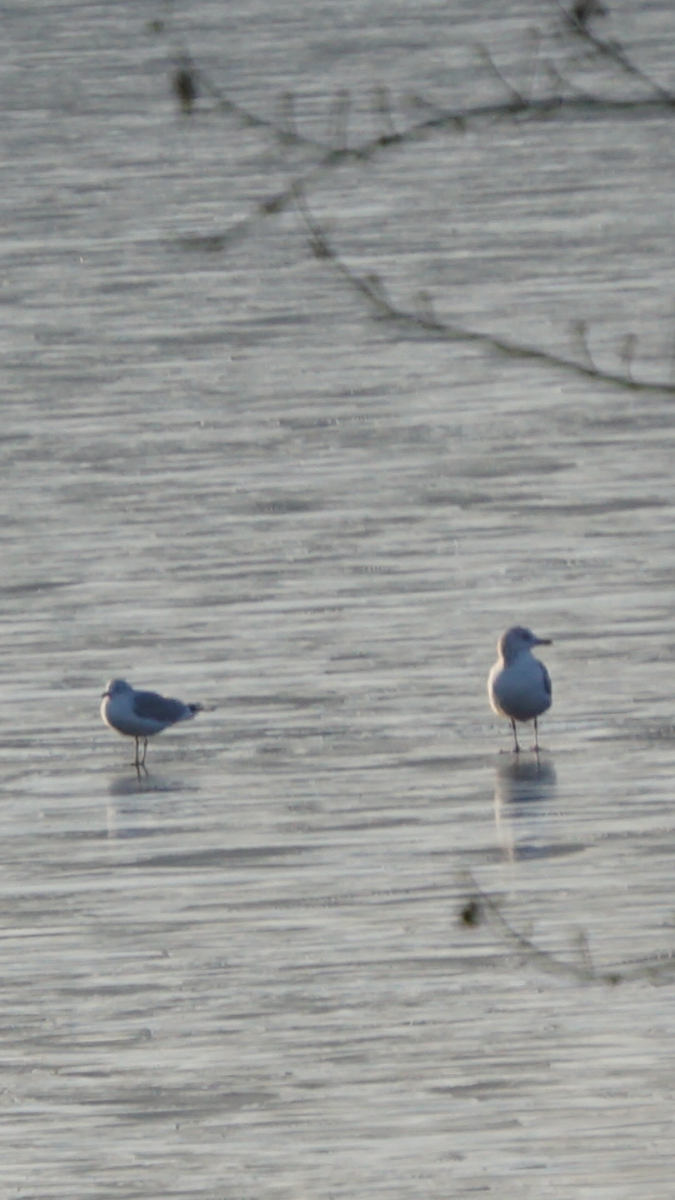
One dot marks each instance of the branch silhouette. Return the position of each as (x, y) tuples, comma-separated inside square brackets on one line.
[(481, 907), (578, 22), (564, 102), (371, 288)]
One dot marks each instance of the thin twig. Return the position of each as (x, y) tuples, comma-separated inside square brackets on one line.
[(580, 329), (517, 99), (628, 353), (383, 107), (534, 37), (340, 120)]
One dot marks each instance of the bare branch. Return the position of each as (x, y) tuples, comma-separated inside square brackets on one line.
[(578, 19), (370, 287), (480, 906)]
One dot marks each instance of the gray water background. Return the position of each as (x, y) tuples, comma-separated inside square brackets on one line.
[(245, 974)]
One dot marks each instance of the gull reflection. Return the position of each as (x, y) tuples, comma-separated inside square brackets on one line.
[(127, 813), (138, 785), (524, 789)]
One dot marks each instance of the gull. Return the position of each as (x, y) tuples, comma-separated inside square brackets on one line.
[(519, 686), (141, 715)]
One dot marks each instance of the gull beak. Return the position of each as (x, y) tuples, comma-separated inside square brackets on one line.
[(104, 694), (543, 642)]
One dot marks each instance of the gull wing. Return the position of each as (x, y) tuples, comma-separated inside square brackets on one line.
[(548, 687), (152, 707)]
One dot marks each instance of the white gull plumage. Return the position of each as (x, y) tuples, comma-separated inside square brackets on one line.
[(141, 715), (519, 686)]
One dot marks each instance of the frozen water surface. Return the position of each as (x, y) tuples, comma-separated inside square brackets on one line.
[(245, 974)]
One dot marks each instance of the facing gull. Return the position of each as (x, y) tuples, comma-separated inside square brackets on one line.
[(519, 686), (141, 715)]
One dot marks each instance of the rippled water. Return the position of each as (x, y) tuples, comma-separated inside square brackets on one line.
[(246, 973)]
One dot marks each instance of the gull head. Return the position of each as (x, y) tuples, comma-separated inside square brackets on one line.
[(116, 687), (518, 640)]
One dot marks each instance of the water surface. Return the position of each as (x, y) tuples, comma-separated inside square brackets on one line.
[(245, 973)]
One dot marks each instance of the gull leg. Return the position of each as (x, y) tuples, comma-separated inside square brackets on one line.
[(137, 761), (516, 747), (536, 737), (145, 747)]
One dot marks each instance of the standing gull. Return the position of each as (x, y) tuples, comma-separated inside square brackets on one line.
[(141, 715), (519, 686)]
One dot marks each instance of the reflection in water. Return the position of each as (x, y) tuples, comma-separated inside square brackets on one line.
[(137, 784), (128, 818), (523, 788)]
